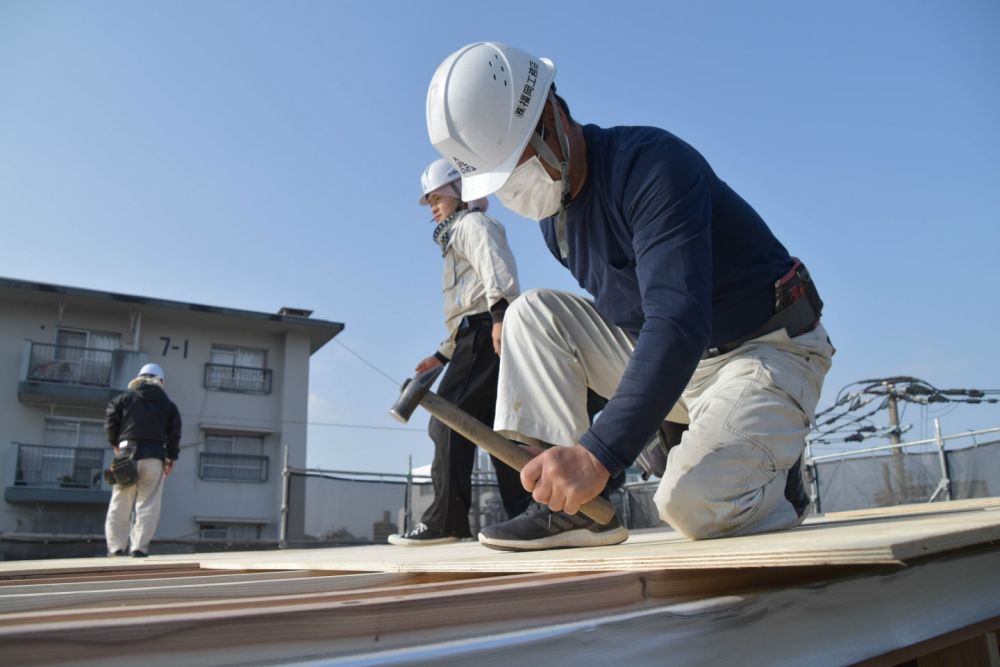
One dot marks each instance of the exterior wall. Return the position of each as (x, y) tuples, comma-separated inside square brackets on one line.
[(180, 342), (26, 423), (295, 403), (185, 495)]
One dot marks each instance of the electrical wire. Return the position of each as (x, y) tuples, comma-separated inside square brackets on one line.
[(840, 422), (378, 370)]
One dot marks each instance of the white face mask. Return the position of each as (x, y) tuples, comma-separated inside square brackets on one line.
[(531, 192)]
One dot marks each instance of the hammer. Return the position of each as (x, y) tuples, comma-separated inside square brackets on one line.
[(417, 392)]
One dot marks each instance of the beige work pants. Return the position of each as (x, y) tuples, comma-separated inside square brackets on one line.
[(749, 410), (144, 497)]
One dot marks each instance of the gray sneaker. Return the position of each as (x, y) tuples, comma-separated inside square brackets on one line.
[(541, 528), (421, 535)]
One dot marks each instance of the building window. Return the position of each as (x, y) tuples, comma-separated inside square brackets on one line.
[(238, 369), (230, 532), (75, 433), (233, 458)]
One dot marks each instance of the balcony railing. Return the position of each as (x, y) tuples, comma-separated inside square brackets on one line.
[(61, 467), (70, 365), (242, 379), (232, 467)]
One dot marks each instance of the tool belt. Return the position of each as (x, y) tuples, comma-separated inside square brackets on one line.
[(797, 309), (473, 320), (123, 471)]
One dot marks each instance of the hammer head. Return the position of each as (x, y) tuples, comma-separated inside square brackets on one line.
[(413, 392)]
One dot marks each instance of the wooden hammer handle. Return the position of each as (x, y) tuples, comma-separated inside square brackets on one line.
[(598, 509)]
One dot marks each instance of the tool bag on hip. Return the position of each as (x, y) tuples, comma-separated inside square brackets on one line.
[(652, 460), (123, 470)]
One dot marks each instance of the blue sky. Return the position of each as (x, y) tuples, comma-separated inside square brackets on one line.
[(256, 155)]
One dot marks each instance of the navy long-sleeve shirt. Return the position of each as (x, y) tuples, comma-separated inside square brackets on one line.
[(671, 255)]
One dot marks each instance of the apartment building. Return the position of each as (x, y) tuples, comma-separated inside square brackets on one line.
[(240, 379)]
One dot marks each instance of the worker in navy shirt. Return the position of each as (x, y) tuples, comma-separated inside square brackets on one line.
[(699, 316)]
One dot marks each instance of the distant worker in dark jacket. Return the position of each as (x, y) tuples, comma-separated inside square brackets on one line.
[(144, 422)]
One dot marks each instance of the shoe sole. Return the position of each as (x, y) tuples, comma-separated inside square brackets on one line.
[(400, 541), (569, 540)]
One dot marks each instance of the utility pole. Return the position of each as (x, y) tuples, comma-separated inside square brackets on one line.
[(405, 521), (286, 477), (898, 471)]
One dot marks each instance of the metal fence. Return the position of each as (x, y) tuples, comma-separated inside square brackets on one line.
[(911, 472), (241, 379), (346, 507), (70, 365), (365, 508), (66, 467)]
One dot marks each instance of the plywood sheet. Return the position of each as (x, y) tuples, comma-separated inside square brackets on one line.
[(883, 536), (875, 540)]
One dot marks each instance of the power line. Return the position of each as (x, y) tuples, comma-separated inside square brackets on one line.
[(378, 370), (841, 422), (234, 422)]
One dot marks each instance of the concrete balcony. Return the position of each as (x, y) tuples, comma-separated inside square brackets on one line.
[(45, 473), (74, 376)]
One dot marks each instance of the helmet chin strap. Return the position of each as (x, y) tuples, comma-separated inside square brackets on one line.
[(546, 155)]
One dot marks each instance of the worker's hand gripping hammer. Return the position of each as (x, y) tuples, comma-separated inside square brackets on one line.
[(417, 392)]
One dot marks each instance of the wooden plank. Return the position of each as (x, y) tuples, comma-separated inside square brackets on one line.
[(66, 636), (196, 589), (92, 566), (461, 584), (41, 584), (13, 578)]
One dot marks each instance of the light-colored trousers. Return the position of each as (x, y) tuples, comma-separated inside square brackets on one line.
[(749, 410), (144, 497)]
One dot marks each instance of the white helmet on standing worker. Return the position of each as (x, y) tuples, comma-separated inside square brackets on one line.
[(437, 174), (152, 371), (483, 104)]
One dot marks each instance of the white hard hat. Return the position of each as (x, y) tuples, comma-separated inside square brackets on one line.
[(152, 369), (482, 106), (438, 173)]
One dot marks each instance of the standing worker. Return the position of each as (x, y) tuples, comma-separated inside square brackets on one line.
[(699, 313), (479, 282), (144, 424)]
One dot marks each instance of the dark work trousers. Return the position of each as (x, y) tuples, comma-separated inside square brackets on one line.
[(470, 382)]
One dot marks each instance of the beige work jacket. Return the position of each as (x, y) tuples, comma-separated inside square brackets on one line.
[(479, 270)]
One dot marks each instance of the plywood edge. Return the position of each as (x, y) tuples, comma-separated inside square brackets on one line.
[(918, 508), (930, 545)]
